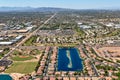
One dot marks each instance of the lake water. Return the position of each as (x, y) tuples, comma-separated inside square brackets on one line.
[(5, 77), (69, 60)]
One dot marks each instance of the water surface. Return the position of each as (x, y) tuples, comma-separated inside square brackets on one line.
[(5, 77), (69, 60)]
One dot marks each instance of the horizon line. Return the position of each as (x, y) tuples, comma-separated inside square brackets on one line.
[(107, 8)]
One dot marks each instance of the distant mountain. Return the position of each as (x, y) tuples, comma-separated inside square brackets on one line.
[(30, 9), (7, 9), (113, 8), (44, 9), (107, 8)]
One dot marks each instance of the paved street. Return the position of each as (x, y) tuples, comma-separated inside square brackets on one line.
[(27, 37)]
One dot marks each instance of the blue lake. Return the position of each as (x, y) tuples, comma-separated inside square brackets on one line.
[(69, 60), (5, 77)]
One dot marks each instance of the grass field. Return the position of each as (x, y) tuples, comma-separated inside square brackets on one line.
[(24, 58), (30, 41), (22, 67)]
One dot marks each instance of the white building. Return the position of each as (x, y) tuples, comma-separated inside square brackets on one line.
[(85, 27)]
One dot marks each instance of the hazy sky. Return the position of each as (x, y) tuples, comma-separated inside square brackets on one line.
[(75, 4)]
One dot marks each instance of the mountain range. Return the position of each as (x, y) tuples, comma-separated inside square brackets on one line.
[(31, 9), (44, 9)]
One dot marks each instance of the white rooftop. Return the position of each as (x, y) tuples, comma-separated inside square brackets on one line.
[(5, 43)]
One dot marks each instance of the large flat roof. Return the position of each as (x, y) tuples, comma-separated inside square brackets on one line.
[(5, 43)]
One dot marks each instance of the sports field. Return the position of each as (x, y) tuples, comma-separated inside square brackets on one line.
[(22, 67)]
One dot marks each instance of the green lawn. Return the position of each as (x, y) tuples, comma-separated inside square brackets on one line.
[(16, 52), (113, 33), (79, 31), (24, 58), (30, 41), (6, 50), (22, 67)]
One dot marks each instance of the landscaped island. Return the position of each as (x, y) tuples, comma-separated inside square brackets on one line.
[(70, 61)]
